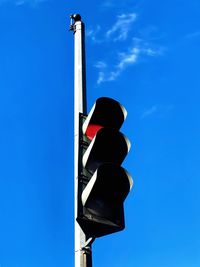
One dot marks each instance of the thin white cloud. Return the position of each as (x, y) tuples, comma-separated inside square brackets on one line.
[(23, 2), (108, 4), (105, 76), (125, 59), (160, 111), (193, 35), (115, 4), (92, 34), (119, 31), (101, 77), (100, 65), (150, 111), (128, 58), (111, 69), (150, 52), (30, 2)]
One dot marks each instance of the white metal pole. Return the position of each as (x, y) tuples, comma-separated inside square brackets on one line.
[(78, 108), (81, 257)]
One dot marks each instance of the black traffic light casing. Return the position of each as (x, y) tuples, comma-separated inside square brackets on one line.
[(102, 183)]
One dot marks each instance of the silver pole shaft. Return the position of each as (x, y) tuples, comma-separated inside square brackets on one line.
[(82, 257)]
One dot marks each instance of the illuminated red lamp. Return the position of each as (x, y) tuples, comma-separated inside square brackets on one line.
[(92, 130)]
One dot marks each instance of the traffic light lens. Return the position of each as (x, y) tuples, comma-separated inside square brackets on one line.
[(92, 130)]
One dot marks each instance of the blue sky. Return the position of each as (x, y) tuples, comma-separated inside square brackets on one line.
[(146, 55)]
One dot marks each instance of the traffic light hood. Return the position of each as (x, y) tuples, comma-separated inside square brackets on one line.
[(103, 199), (106, 112), (108, 145)]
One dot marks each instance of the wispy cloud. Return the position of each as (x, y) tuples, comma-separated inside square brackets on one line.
[(128, 58), (192, 35), (119, 5), (119, 35), (150, 111), (100, 65), (108, 4), (92, 34), (124, 59), (117, 32), (159, 110), (121, 28), (23, 2)]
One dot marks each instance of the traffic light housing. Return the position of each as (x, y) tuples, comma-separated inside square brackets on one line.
[(103, 184)]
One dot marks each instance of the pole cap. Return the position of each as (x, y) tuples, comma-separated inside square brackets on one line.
[(75, 17)]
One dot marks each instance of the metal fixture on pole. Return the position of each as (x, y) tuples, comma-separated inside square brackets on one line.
[(83, 252)]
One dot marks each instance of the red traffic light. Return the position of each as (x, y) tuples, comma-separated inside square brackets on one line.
[(103, 183), (92, 130), (106, 112)]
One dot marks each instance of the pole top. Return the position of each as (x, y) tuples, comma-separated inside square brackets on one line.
[(75, 17)]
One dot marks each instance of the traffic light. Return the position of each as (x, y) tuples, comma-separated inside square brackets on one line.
[(103, 184)]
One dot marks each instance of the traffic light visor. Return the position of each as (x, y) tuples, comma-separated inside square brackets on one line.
[(106, 112), (108, 145)]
